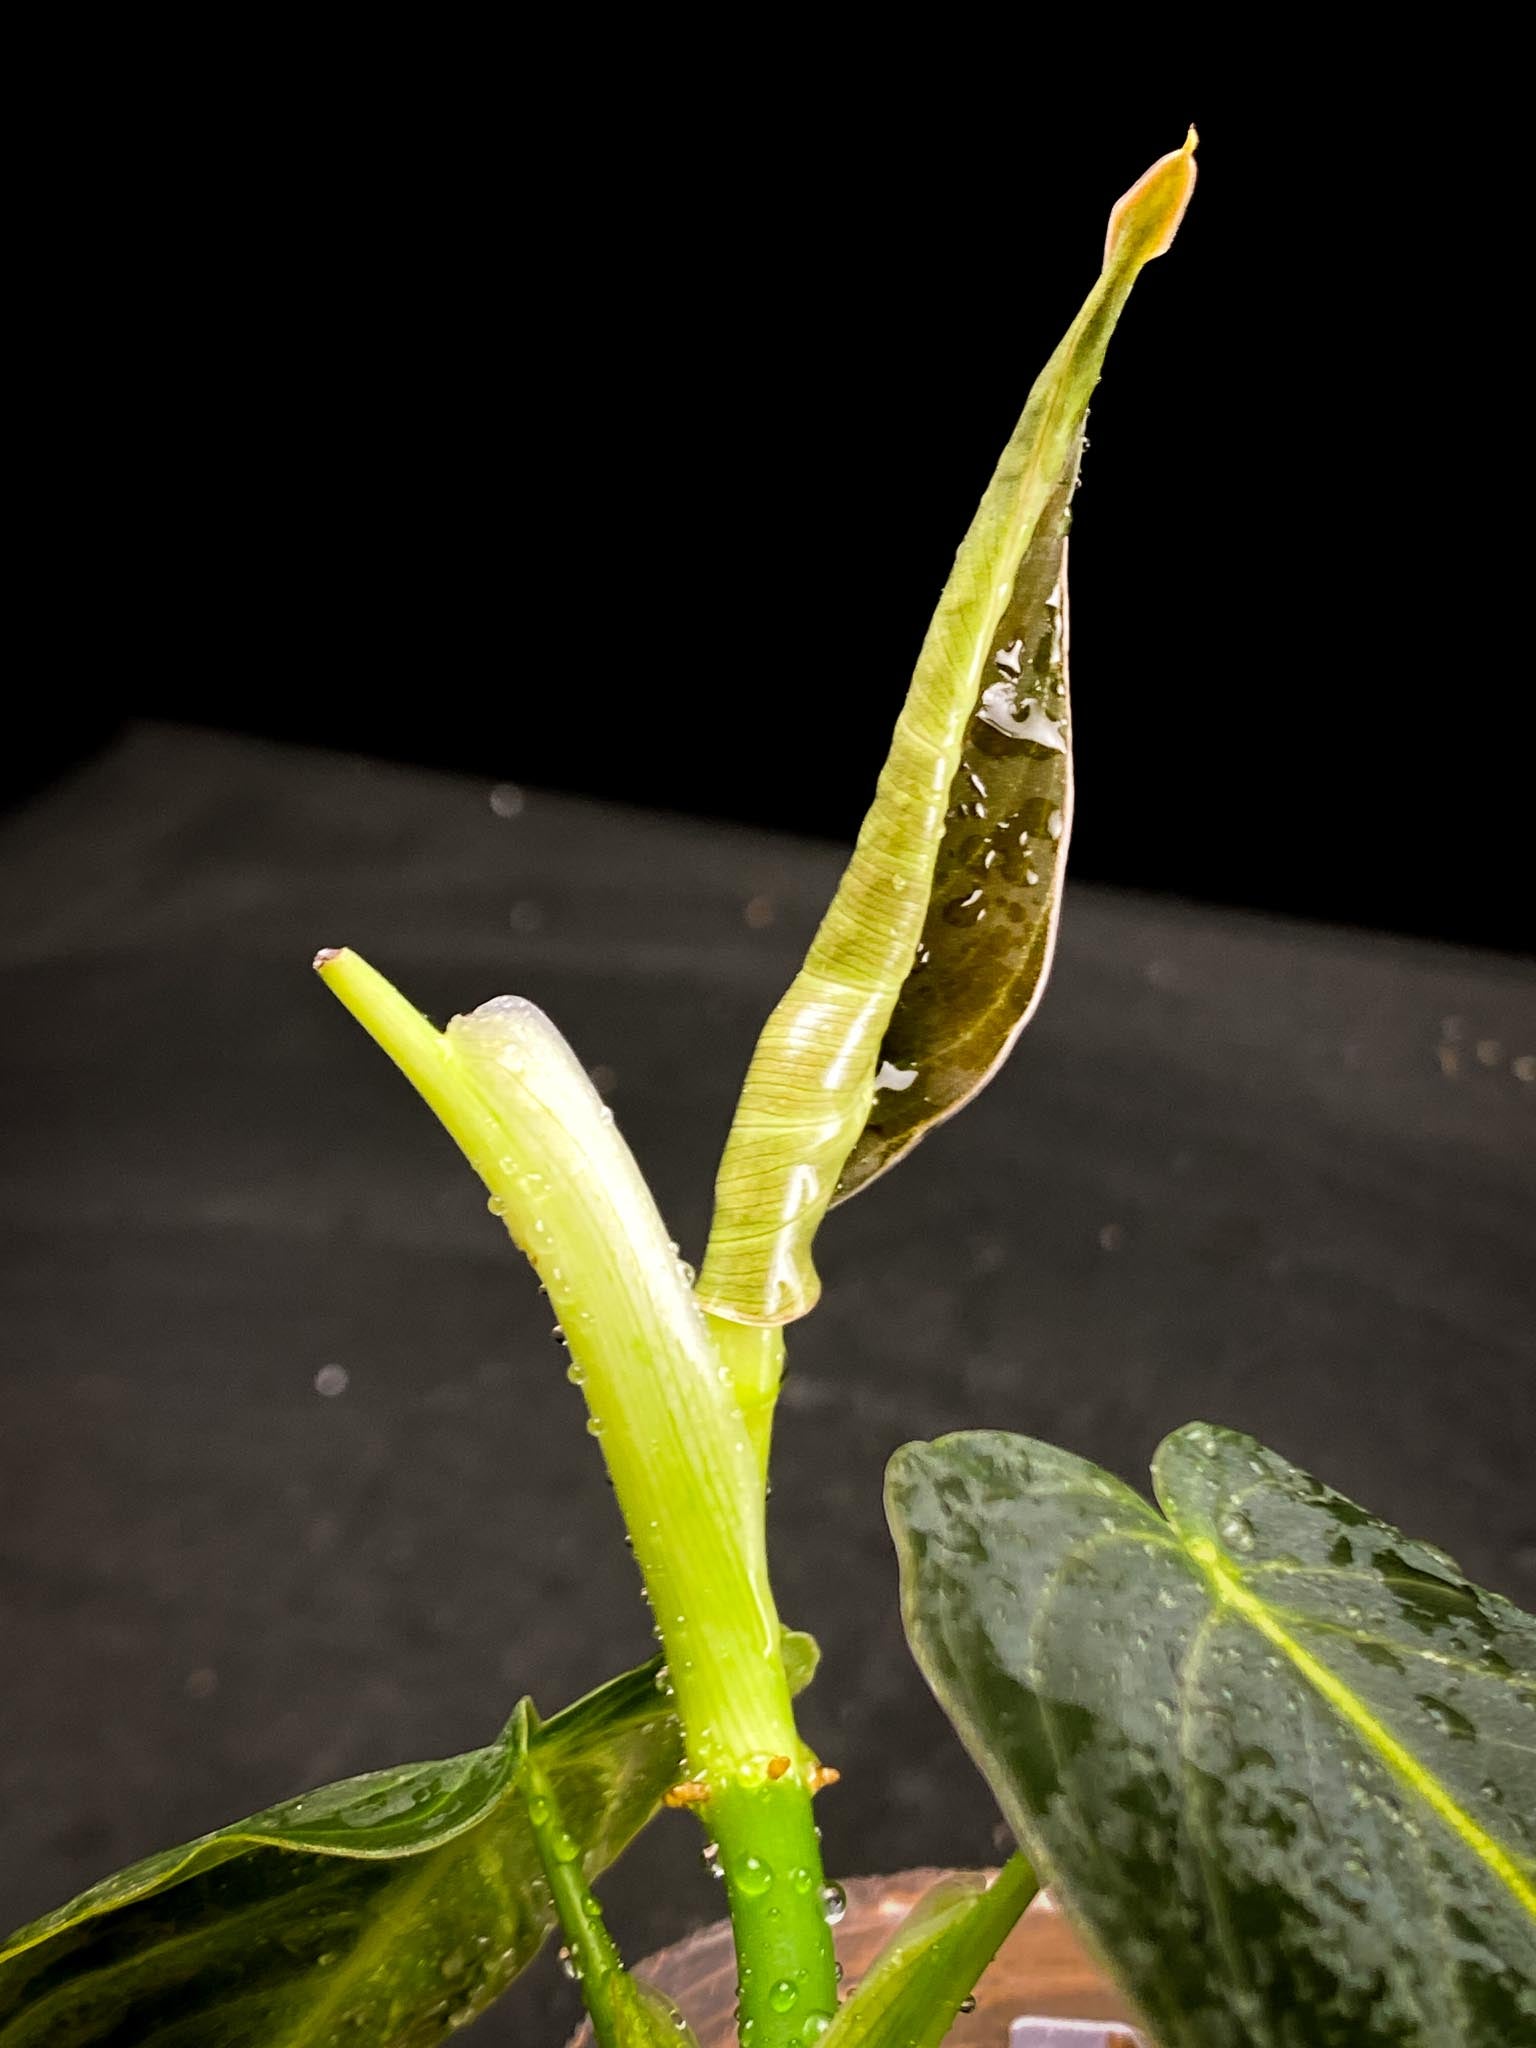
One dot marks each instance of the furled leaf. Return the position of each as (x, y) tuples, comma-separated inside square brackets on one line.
[(1278, 1760), (385, 1910), (810, 1088), (995, 899), (911, 1992)]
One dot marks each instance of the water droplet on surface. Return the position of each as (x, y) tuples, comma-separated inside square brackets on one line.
[(815, 2025), (784, 1995), (1235, 1530), (570, 1969), (754, 1877), (594, 1425), (967, 2004), (507, 800), (1446, 1718), (834, 1903), (332, 1380), (801, 1880), (563, 1846)]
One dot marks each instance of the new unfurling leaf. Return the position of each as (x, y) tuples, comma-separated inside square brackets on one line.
[(987, 702)]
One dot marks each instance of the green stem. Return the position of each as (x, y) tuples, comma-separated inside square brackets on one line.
[(594, 1960), (986, 1928), (686, 1465), (785, 1964), (753, 1355)]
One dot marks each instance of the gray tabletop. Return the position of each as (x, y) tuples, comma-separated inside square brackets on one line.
[(292, 1484)]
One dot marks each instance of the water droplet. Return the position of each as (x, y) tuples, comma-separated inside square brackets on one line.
[(564, 1846), (332, 1380), (834, 1903), (784, 1995), (967, 2004), (569, 1967), (754, 1877), (815, 2025), (574, 1373), (507, 800), (594, 1425), (538, 1809), (1446, 1718), (802, 1881), (497, 1205), (1235, 1530)]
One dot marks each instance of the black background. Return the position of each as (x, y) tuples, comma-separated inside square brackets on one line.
[(616, 441)]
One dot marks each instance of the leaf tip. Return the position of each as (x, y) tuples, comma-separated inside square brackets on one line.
[(1146, 219), (325, 957)]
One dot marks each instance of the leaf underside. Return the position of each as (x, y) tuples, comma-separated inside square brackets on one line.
[(1278, 1759), (386, 1910), (995, 899)]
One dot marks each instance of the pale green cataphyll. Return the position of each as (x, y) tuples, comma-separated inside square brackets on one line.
[(1276, 1760)]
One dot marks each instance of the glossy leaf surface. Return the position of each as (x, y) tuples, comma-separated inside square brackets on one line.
[(911, 1992), (387, 1909), (995, 899), (1278, 1760), (811, 1085)]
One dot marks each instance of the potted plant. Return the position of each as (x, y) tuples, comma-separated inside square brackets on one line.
[(1273, 1757)]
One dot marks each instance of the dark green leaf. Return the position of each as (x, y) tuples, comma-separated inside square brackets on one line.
[(981, 963), (912, 1990), (1278, 1760), (384, 1910)]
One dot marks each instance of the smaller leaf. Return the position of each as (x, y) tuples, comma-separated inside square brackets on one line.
[(396, 1905), (913, 1989)]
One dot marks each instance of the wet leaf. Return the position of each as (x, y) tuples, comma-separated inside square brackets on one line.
[(809, 1091), (912, 1990), (995, 899), (1278, 1760), (386, 1910)]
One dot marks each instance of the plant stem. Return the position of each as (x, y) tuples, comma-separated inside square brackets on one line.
[(786, 1967), (753, 1355), (686, 1469), (594, 1959)]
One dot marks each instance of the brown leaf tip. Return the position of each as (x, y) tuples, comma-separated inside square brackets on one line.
[(325, 956)]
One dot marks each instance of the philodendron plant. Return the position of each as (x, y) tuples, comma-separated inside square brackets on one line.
[(1276, 1760)]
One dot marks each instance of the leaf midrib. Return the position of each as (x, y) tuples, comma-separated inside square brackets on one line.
[(1230, 1591)]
